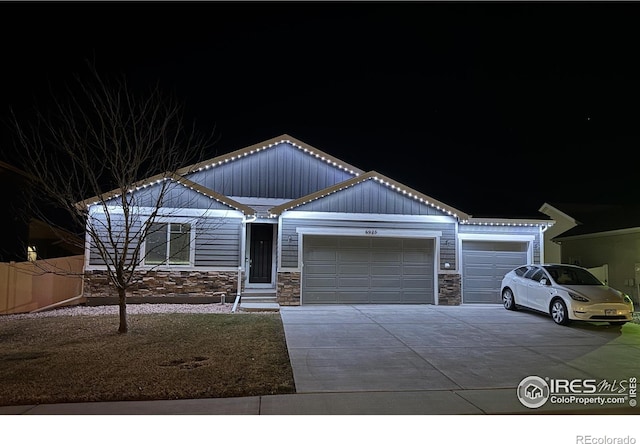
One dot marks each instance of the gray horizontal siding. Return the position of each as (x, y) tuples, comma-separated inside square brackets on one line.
[(115, 242), (282, 171), (217, 240), (218, 243), (370, 197), (289, 243)]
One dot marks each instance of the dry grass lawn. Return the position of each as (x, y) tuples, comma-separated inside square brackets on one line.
[(164, 356)]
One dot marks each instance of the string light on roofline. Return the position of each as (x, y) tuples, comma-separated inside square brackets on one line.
[(394, 187), (257, 150), (502, 223), (329, 161)]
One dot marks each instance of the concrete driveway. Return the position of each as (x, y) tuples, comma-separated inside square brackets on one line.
[(472, 350)]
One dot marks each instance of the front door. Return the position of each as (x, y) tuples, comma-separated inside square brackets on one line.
[(260, 253)]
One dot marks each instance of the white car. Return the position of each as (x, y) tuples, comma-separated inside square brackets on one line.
[(566, 292)]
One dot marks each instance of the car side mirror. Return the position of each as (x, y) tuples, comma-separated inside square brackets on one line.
[(544, 281)]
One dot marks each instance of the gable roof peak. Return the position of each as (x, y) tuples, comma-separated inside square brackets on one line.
[(275, 141), (383, 180)]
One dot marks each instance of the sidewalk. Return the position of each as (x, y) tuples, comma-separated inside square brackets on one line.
[(434, 402)]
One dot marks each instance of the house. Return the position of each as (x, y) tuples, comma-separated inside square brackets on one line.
[(48, 241), (603, 238), (289, 222), (15, 220), (534, 392), (563, 222), (27, 237)]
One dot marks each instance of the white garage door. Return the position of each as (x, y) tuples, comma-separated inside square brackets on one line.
[(484, 264), (367, 270)]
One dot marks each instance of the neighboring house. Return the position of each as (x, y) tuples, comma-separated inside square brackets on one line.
[(604, 237), (24, 236), (284, 219), (563, 222), (48, 242), (14, 221)]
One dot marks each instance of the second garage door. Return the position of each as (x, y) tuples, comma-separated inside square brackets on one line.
[(367, 270), (484, 265)]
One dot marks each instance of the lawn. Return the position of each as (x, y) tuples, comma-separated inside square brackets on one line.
[(164, 356)]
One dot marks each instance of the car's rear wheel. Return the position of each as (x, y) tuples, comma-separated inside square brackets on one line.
[(559, 312), (508, 300)]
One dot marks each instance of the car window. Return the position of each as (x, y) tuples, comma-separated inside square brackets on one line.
[(530, 272), (521, 270), (554, 273), (572, 275), (539, 274)]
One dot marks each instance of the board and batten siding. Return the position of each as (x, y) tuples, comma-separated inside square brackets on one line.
[(289, 235), (282, 171), (176, 196), (368, 205), (373, 198)]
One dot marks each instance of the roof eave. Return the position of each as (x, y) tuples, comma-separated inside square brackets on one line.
[(509, 221), (397, 186)]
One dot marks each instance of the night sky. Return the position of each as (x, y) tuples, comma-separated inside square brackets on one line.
[(492, 108)]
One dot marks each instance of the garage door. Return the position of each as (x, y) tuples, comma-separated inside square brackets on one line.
[(367, 270), (484, 264)]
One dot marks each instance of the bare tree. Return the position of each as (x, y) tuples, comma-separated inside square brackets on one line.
[(90, 153)]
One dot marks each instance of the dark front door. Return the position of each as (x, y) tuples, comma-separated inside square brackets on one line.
[(261, 252)]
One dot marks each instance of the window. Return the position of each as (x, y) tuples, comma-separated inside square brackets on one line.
[(168, 243), (32, 253)]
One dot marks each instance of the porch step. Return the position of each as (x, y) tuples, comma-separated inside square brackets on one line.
[(259, 302)]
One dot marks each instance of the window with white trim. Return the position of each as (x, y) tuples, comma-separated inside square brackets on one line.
[(168, 243)]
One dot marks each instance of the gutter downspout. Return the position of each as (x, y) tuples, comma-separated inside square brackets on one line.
[(235, 304)]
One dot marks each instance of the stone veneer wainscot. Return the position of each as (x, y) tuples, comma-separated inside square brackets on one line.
[(449, 289), (165, 284), (289, 288)]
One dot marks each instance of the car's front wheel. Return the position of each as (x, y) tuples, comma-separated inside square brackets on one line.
[(508, 300), (559, 312)]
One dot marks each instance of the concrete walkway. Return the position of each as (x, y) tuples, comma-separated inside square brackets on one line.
[(415, 360)]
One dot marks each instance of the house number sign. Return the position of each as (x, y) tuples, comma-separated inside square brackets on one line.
[(371, 232)]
